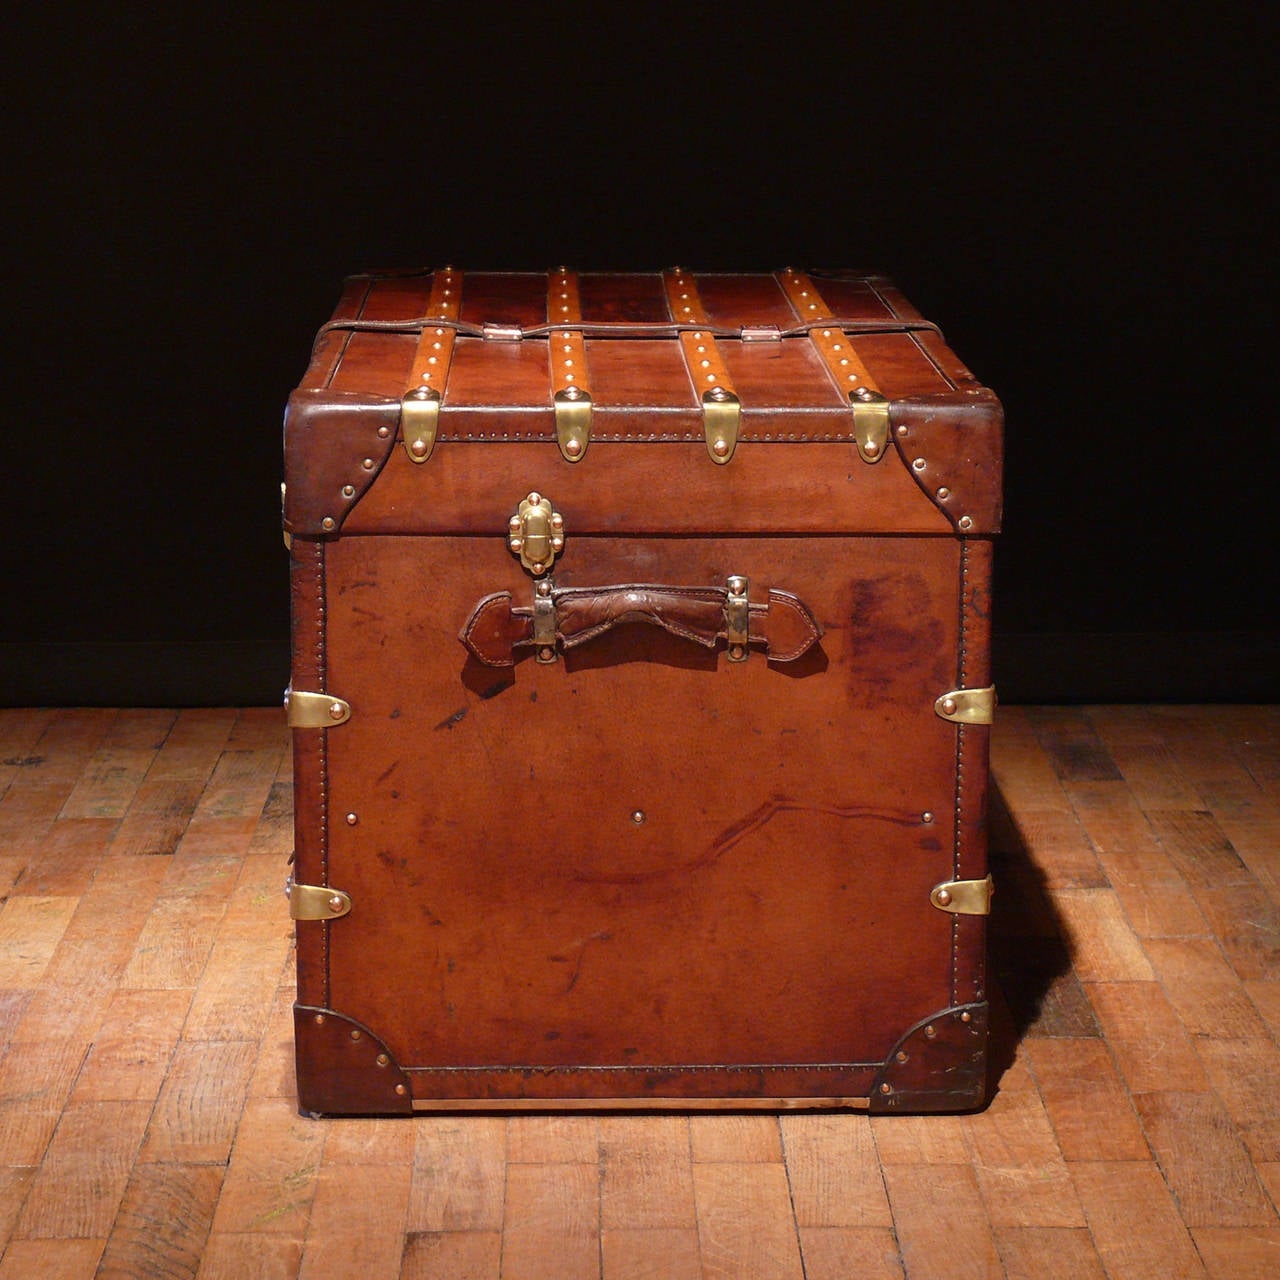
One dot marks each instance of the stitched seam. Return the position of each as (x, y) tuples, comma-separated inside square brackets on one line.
[(638, 1070), (321, 677), (960, 737)]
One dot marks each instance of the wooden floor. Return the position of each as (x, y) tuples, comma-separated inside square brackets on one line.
[(148, 1127)]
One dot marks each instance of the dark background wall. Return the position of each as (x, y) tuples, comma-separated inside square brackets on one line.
[(1083, 203)]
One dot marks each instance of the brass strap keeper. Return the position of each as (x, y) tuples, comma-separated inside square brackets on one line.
[(544, 621), (419, 419), (570, 385), (424, 388), (737, 618), (968, 706), (316, 901), (306, 710), (721, 408), (964, 897)]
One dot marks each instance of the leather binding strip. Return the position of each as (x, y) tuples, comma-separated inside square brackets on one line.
[(570, 382), (851, 376), (424, 389), (721, 408)]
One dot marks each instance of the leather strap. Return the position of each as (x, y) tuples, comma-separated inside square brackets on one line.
[(424, 387), (783, 625), (570, 381)]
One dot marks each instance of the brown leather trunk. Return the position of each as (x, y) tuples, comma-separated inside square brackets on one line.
[(640, 690)]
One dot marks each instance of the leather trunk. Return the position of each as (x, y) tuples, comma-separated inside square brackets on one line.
[(640, 695)]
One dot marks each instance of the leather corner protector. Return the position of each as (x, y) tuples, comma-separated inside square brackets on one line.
[(344, 1069), (335, 445), (953, 447), (939, 1065)]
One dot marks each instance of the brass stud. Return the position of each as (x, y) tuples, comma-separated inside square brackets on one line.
[(352, 819), (557, 521), (514, 524), (902, 431), (539, 567), (638, 816), (720, 448), (948, 706), (965, 523), (515, 543), (944, 493), (871, 448), (418, 448), (400, 1089), (546, 653), (944, 897), (367, 464), (534, 499), (557, 542), (328, 524), (572, 448), (966, 1017), (926, 816), (736, 652), (919, 464), (383, 432), (355, 1033), (335, 903), (337, 711), (382, 1060), (901, 1055), (348, 491), (931, 1031), (543, 588), (319, 1019), (886, 1087), (718, 394), (573, 393)]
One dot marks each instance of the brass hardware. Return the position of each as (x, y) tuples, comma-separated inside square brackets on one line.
[(573, 422), (492, 332), (544, 621), (968, 706), (316, 901), (314, 710), (419, 418), (926, 816), (737, 615), (870, 422), (352, 819), (721, 416), (638, 817), (536, 534), (964, 897)]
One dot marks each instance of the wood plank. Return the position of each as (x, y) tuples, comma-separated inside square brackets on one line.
[(237, 989), (1020, 1170), (1150, 1045), (731, 1139), (1203, 1160), (69, 854), (1021, 769), (459, 1168), (458, 1255), (1198, 848), (1244, 1075), (1086, 1101), (551, 1224), (646, 1176), (156, 817), (36, 1078), (239, 784), (274, 833), (133, 1047), (839, 1253), (920, 1139), (1246, 920), (30, 930), (1072, 744), (273, 1075), (111, 777), (163, 1222), (1057, 843), (21, 728), (1209, 998), (559, 1139), (1049, 1253), (229, 1256), (199, 1108), (1265, 997), (1103, 946), (834, 1174), (257, 907), (82, 1180), (15, 1185), (174, 944), (941, 1223), (272, 1176), (193, 745), (357, 1226), (368, 1142), (745, 1225), (1135, 1223), (51, 1259), (1239, 1253)]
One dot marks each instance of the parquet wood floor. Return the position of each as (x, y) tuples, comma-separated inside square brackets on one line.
[(148, 1126)]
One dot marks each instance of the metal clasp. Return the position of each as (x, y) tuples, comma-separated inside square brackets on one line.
[(870, 422), (315, 901), (721, 415), (737, 617), (536, 534), (419, 418), (968, 706), (308, 710), (573, 422), (964, 897)]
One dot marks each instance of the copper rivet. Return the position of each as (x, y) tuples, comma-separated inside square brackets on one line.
[(515, 543), (418, 448), (319, 1019), (965, 522), (534, 499), (919, 464), (572, 448), (902, 431), (352, 819), (720, 448), (557, 521), (944, 898), (355, 1034), (886, 1087), (543, 588), (557, 543), (382, 1060), (336, 711), (383, 432), (871, 447), (926, 816), (944, 493), (902, 1055), (400, 1089), (348, 491), (638, 816), (367, 464), (736, 650), (966, 1017), (538, 567), (949, 706), (514, 524), (328, 523), (930, 1031), (547, 653), (335, 903)]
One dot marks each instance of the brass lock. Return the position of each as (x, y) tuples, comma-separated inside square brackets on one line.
[(536, 534)]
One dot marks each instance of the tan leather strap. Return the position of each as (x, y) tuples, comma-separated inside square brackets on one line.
[(424, 388), (851, 376), (783, 625), (721, 408), (570, 381)]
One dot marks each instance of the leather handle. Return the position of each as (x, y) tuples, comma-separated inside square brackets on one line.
[(783, 625)]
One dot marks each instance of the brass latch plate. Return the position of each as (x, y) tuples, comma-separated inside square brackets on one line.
[(536, 533), (964, 897), (968, 706), (307, 710), (316, 901)]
